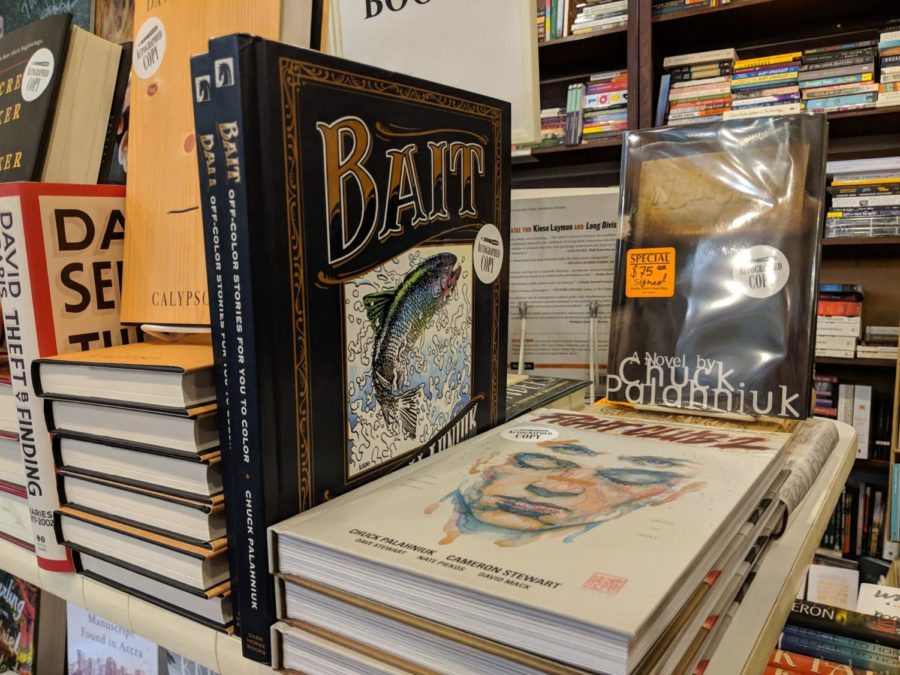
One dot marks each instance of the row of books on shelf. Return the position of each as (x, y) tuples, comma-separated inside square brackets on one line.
[(864, 198), (595, 109), (561, 18), (706, 86), (855, 404), (858, 524)]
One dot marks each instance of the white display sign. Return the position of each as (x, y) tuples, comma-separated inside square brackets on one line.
[(562, 259), (486, 47)]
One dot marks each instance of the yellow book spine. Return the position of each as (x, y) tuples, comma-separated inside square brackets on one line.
[(767, 60), (868, 181), (763, 78)]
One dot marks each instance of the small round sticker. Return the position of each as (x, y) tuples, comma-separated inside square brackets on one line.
[(761, 271), (38, 74), (149, 48), (488, 254), (529, 434)]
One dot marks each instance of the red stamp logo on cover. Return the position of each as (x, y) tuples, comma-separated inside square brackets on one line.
[(605, 583)]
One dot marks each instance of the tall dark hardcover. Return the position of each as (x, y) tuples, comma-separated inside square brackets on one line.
[(368, 224), (718, 266), (840, 621), (31, 66), (211, 166)]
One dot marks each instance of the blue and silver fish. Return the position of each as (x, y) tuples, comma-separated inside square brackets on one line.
[(398, 318)]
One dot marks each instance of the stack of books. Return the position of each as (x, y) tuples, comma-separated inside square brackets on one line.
[(839, 77), (865, 198), (604, 110), (597, 15), (850, 640), (15, 518), (429, 554), (137, 453), (553, 127), (839, 324), (825, 388), (696, 87), (889, 62), (879, 342), (765, 86)]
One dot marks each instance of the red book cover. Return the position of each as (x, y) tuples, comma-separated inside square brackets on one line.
[(60, 280), (839, 308)]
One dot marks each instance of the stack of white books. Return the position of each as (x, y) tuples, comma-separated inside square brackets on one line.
[(558, 542)]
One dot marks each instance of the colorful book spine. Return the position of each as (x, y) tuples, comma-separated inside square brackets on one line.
[(840, 79), (211, 164), (841, 101), (895, 502), (767, 60), (782, 662), (256, 600), (57, 239), (759, 80), (831, 652), (844, 622), (781, 70)]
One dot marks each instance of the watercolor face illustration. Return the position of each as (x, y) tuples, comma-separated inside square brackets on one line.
[(562, 486)]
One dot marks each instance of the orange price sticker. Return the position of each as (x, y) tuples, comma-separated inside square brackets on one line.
[(650, 273)]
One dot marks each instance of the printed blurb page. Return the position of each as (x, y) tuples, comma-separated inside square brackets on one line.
[(563, 255)]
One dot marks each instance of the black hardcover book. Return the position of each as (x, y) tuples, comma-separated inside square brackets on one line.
[(210, 162), (839, 621), (31, 62), (718, 266), (370, 293), (538, 391)]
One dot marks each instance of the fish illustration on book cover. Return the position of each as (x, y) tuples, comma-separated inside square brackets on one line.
[(409, 350)]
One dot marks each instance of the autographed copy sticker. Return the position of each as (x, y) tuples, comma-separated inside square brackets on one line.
[(38, 74), (650, 273), (529, 434), (149, 48), (761, 271)]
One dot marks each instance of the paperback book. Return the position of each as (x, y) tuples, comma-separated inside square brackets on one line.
[(718, 266)]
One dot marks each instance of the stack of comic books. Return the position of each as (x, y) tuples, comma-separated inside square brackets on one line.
[(463, 552)]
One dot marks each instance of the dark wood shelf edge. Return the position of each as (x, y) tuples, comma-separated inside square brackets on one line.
[(861, 241), (864, 363), (585, 36), (685, 13), (877, 464)]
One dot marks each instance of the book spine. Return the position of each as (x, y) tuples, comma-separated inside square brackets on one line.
[(257, 599), (665, 82), (828, 651), (769, 72), (26, 334), (210, 165), (836, 621), (875, 650), (895, 502), (838, 79), (866, 200), (845, 403), (862, 401), (838, 101), (792, 662), (838, 63), (766, 60)]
